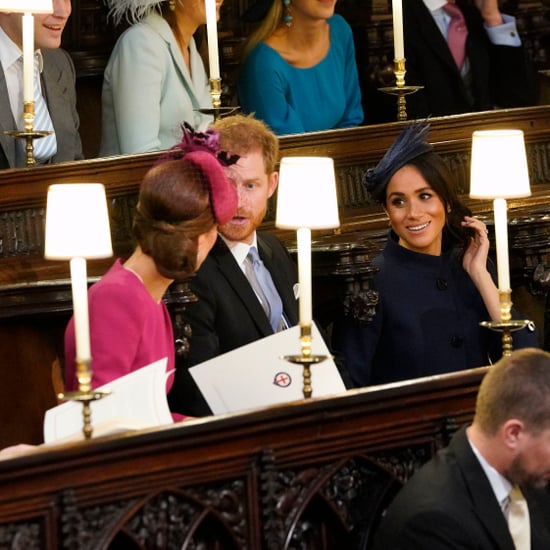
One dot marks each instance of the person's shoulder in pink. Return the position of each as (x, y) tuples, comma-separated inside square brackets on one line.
[(182, 200), (128, 329)]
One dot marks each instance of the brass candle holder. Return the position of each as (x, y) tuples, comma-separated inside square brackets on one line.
[(84, 395), (400, 89), (29, 133), (217, 111), (306, 358), (506, 325)]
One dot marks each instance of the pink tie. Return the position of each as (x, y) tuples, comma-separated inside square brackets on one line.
[(457, 33)]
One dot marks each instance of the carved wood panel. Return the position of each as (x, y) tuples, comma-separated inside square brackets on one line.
[(319, 505)]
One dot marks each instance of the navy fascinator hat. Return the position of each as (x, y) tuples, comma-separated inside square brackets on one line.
[(408, 145)]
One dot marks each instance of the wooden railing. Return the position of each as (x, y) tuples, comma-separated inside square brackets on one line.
[(313, 474)]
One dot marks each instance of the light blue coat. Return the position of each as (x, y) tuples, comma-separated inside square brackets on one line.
[(148, 92)]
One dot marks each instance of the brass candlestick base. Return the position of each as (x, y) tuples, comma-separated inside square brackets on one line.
[(216, 92), (29, 133), (306, 359), (506, 325), (400, 90), (85, 395)]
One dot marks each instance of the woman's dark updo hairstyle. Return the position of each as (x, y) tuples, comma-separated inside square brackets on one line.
[(173, 210), (443, 182)]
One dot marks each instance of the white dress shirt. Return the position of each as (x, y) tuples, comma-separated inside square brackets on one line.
[(500, 485)]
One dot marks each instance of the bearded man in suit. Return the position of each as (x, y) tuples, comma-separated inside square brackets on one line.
[(229, 312), (465, 497), (57, 83)]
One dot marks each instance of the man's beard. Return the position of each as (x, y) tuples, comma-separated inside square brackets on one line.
[(240, 233), (517, 475)]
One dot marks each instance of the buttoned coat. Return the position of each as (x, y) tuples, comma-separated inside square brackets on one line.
[(148, 91)]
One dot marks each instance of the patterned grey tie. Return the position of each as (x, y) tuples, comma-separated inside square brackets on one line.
[(260, 280), (44, 148)]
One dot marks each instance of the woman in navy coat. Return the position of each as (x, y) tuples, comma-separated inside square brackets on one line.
[(435, 281)]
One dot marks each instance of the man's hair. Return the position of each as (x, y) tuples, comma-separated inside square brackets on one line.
[(517, 386), (240, 135)]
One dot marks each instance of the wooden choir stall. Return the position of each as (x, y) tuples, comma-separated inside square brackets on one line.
[(313, 474)]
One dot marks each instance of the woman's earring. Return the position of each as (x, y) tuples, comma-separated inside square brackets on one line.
[(287, 17), (172, 5)]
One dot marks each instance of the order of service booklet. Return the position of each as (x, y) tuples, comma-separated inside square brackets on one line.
[(136, 401), (257, 375), (252, 376)]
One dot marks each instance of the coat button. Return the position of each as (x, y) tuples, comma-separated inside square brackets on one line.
[(456, 341), (441, 284)]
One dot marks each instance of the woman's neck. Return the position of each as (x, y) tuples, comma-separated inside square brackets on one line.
[(144, 267), (304, 44), (184, 28)]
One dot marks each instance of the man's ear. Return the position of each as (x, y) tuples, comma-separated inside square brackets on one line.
[(511, 432), (272, 182)]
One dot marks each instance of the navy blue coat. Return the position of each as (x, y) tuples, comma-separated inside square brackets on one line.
[(427, 321)]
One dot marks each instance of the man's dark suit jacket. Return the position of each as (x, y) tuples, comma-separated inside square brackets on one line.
[(58, 79), (449, 504), (502, 76), (228, 314)]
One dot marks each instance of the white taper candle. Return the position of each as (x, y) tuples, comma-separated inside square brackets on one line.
[(212, 34), (28, 57), (80, 308), (501, 237), (304, 274), (398, 41)]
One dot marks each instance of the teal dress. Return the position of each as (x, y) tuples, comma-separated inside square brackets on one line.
[(293, 100)]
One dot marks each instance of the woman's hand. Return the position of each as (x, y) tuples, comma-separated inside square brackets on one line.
[(475, 264), (475, 256)]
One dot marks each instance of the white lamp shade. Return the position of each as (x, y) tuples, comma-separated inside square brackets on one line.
[(77, 222), (307, 194), (499, 165), (27, 6)]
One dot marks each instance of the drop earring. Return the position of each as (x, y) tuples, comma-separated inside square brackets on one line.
[(172, 5), (287, 17)]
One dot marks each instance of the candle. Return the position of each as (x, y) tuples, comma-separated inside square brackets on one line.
[(304, 275), (398, 41), (212, 33), (28, 57), (80, 309), (501, 237)]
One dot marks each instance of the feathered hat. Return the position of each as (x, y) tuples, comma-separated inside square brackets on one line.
[(409, 144), (204, 150), (131, 10)]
